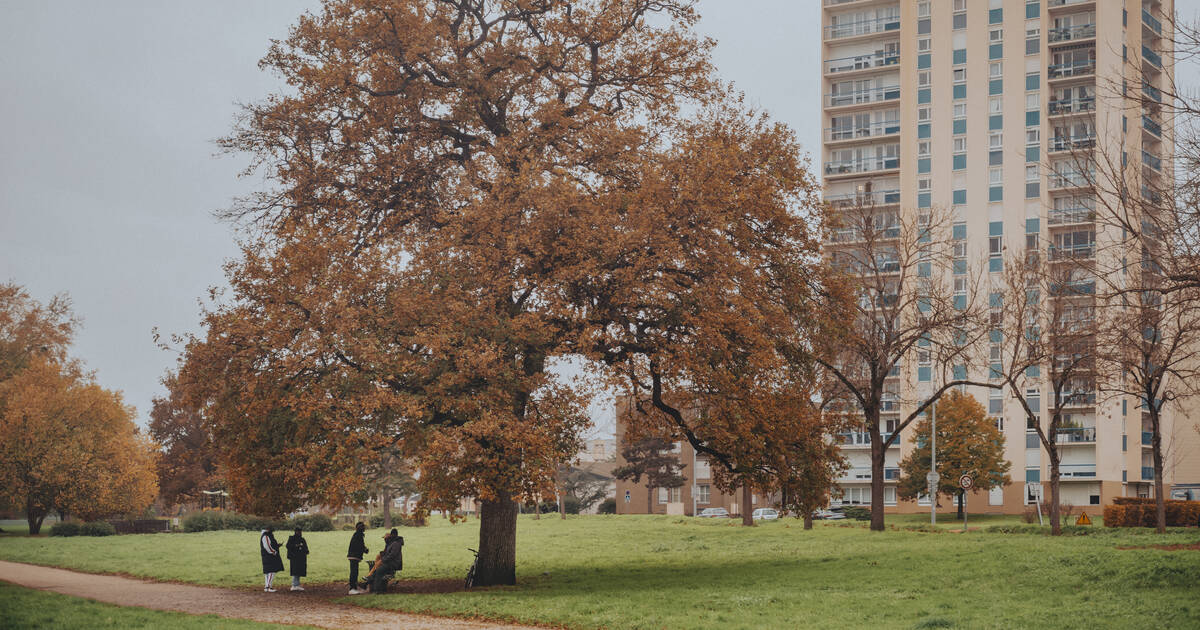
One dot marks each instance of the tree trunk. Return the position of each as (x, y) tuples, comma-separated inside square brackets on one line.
[(1055, 525), (649, 499), (808, 520), (962, 494), (387, 510), (877, 456), (497, 563), (1160, 503), (562, 507), (747, 510), (537, 508), (34, 517)]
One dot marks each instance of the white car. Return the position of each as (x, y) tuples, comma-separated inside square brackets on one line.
[(765, 514), (828, 515), (713, 513)]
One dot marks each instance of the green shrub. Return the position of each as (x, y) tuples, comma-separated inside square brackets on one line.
[(217, 520), (311, 523), (607, 506), (65, 528), (97, 528), (857, 512), (376, 521)]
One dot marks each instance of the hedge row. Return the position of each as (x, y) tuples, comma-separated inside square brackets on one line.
[(1140, 512), (75, 528), (218, 520)]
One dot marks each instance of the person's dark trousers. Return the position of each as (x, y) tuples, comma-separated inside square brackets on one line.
[(379, 580), (354, 574)]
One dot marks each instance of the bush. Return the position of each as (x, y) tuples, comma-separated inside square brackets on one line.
[(98, 528), (376, 521), (217, 520), (857, 512), (311, 523), (607, 506), (66, 528), (1030, 515), (1140, 512), (74, 528)]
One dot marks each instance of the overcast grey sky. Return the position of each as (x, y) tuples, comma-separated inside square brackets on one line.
[(109, 174)]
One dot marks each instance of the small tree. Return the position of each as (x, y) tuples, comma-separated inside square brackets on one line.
[(188, 463), (968, 443), (651, 458)]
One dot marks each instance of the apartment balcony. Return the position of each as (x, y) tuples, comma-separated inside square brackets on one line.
[(1076, 435), (874, 198), (1073, 215), (1068, 472), (1074, 289), (1065, 180), (1153, 24), (1152, 58), (858, 439), (888, 94), (1147, 473), (1151, 126), (861, 28), (855, 235), (854, 475), (1071, 34), (1072, 69), (861, 166), (1148, 439), (1067, 107), (1059, 144), (1152, 92), (855, 4), (1153, 162), (846, 135), (1072, 252), (1058, 4), (1077, 399), (870, 61)]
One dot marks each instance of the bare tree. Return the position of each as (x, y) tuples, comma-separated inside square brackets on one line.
[(900, 268), (1152, 350), (1043, 331)]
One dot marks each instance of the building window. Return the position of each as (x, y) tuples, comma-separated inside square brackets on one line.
[(960, 110), (1033, 101), (923, 79), (959, 21), (960, 75), (960, 144), (924, 44), (923, 148), (922, 9), (996, 69), (923, 114), (995, 104), (702, 493), (1033, 136), (996, 140), (996, 35)]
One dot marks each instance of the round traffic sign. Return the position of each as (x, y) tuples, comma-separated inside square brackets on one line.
[(932, 477), (964, 482)]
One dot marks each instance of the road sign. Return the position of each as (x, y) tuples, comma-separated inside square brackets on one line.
[(1034, 490), (965, 482), (1083, 519), (931, 481)]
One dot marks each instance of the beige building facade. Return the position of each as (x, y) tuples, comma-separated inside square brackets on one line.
[(982, 107)]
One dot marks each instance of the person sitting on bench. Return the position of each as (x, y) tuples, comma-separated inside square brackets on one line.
[(391, 559)]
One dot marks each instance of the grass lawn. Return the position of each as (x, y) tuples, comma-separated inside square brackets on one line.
[(27, 608), (675, 572)]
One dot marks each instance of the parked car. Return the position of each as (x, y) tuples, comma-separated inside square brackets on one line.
[(713, 513), (765, 514), (834, 514)]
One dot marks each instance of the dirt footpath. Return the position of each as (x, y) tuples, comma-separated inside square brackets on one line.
[(309, 608)]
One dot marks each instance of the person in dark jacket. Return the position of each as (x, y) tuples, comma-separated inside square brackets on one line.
[(271, 562), (358, 549), (391, 560), (297, 552)]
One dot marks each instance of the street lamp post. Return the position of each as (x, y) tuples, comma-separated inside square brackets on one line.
[(933, 474)]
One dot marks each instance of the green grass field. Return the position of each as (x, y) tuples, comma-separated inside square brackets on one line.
[(674, 572), (27, 608)]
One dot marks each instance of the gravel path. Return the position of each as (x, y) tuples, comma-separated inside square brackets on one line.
[(301, 608)]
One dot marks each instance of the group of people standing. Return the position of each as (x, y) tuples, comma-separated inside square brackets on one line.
[(272, 563), (387, 562)]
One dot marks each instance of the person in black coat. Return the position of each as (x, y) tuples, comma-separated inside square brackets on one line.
[(297, 552), (390, 561), (358, 550), (271, 562)]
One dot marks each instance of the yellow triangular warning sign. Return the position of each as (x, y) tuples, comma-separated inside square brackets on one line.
[(1083, 519)]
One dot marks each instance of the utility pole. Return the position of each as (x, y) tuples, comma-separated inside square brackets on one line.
[(933, 474)]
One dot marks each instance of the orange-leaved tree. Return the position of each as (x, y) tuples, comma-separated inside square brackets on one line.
[(188, 464), (448, 179), (67, 444), (968, 443)]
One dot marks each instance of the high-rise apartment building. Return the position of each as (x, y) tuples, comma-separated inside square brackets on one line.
[(983, 108)]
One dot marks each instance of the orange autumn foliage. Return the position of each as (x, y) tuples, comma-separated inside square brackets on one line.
[(465, 194)]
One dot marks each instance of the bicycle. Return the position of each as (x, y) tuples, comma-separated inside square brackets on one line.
[(471, 572)]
